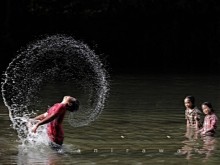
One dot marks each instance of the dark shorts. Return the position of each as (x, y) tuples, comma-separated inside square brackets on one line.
[(55, 146)]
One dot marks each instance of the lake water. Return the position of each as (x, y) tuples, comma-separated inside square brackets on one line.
[(142, 123)]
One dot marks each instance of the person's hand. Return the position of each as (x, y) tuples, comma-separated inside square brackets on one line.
[(31, 122), (34, 129), (28, 124), (199, 131), (196, 117), (203, 133)]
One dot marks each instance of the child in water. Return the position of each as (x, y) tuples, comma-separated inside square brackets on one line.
[(192, 113), (210, 121), (54, 118)]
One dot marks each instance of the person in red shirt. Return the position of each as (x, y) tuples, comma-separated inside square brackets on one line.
[(54, 117)]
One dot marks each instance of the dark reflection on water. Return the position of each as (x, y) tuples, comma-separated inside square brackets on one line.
[(196, 145), (209, 146), (143, 122)]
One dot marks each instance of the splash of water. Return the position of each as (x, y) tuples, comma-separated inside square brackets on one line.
[(57, 58)]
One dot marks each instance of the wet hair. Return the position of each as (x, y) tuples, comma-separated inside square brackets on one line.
[(191, 99), (74, 106), (208, 104)]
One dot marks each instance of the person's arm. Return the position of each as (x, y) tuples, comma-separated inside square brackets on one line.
[(187, 120), (187, 123), (41, 117), (197, 119), (47, 119), (197, 125), (201, 130), (33, 121)]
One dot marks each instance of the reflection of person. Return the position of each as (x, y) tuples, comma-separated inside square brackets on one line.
[(191, 147), (210, 120), (54, 116), (192, 113), (188, 148), (209, 145)]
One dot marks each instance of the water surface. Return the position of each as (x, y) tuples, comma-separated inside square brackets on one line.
[(142, 123)]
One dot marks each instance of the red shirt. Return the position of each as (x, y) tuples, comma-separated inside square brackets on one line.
[(54, 128)]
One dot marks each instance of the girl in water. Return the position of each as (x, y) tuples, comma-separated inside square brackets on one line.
[(210, 121), (192, 113)]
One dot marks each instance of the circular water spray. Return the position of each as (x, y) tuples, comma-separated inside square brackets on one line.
[(61, 59)]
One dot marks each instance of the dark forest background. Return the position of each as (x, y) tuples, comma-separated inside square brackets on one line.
[(150, 36)]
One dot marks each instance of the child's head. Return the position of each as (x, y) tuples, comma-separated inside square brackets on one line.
[(72, 103), (189, 102), (207, 108)]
